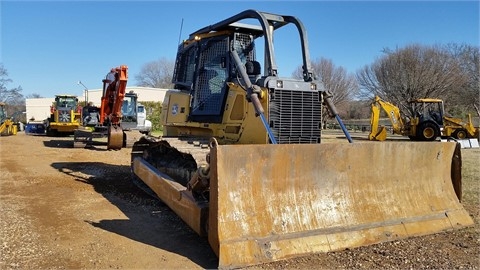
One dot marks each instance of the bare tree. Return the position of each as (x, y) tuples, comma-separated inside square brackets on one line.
[(467, 97), (11, 96), (410, 73), (156, 74), (34, 95), (336, 80)]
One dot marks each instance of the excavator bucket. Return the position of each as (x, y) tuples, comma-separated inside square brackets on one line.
[(272, 202)]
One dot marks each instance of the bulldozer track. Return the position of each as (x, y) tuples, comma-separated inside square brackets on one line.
[(182, 154)]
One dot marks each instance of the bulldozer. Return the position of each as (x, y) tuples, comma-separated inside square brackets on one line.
[(65, 116), (242, 162), (429, 121), (7, 125)]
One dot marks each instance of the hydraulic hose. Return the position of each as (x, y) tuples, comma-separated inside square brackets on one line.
[(328, 100)]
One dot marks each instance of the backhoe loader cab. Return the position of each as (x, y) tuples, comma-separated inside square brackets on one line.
[(427, 123), (429, 110), (242, 162)]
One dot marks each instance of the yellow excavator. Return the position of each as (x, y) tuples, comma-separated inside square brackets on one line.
[(242, 162), (7, 125), (428, 122)]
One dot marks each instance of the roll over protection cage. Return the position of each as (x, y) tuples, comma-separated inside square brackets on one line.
[(267, 21)]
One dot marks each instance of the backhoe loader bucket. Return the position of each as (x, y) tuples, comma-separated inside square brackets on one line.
[(272, 202)]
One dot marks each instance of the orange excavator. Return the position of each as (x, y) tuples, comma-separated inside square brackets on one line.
[(108, 118), (114, 86)]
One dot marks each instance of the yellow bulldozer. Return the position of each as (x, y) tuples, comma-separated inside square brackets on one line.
[(429, 121), (242, 162)]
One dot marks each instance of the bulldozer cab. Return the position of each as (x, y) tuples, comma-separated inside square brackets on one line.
[(209, 74), (205, 66)]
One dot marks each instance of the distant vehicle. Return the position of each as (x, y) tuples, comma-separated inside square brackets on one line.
[(116, 114), (35, 129), (143, 125), (64, 116), (428, 123), (7, 126)]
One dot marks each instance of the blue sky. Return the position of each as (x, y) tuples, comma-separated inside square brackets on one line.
[(48, 46)]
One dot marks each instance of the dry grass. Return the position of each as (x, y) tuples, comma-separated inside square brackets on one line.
[(471, 181)]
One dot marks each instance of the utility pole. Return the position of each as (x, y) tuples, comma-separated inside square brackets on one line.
[(86, 92)]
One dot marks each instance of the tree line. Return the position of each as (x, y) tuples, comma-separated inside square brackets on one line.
[(449, 72)]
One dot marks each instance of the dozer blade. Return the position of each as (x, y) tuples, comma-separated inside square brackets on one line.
[(272, 202)]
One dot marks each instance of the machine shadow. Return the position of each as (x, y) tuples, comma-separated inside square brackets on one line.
[(149, 220), (58, 144), (95, 146)]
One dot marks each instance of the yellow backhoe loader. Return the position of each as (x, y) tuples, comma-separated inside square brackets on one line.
[(242, 162), (459, 128), (427, 123), (7, 125)]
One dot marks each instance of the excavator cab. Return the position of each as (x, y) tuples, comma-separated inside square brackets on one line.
[(129, 111)]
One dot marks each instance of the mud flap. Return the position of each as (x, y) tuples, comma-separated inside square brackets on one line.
[(272, 202)]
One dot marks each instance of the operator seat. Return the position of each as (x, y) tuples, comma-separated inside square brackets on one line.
[(254, 70)]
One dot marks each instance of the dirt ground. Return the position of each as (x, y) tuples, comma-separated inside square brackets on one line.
[(66, 208)]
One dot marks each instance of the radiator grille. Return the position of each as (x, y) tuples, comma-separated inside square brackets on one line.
[(64, 116), (295, 116)]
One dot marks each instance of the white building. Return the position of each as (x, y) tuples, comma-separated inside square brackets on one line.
[(39, 108), (144, 94)]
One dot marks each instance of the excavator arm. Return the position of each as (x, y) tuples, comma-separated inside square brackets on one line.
[(379, 133), (114, 86)]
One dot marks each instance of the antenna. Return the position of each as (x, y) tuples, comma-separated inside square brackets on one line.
[(180, 34)]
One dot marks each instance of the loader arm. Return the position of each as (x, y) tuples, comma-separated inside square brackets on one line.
[(379, 133)]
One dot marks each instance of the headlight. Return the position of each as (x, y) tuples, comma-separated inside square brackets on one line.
[(279, 84)]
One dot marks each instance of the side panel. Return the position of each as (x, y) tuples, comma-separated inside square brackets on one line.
[(177, 109), (271, 202)]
